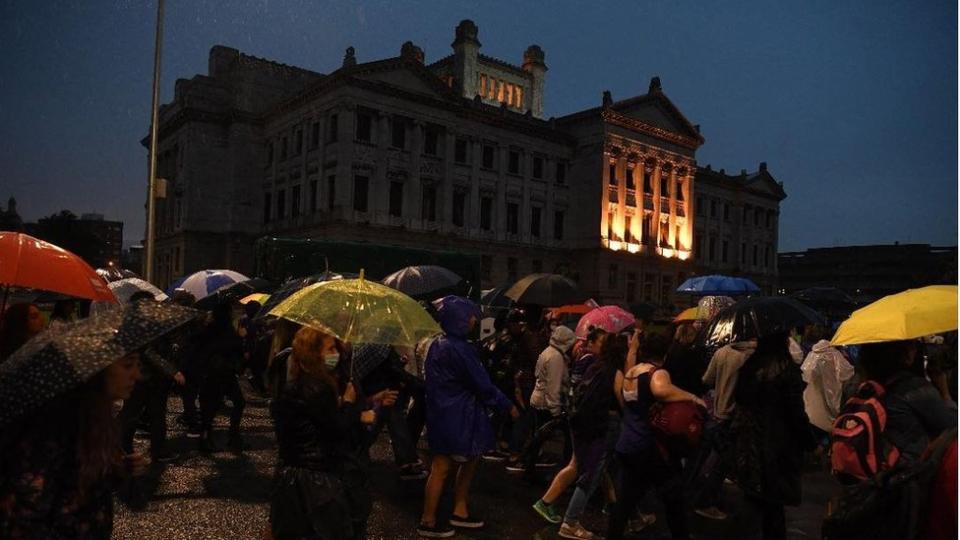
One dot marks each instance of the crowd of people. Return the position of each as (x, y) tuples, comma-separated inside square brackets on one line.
[(531, 396)]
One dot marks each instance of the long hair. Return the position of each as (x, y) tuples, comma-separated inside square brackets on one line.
[(881, 361), (771, 357), (613, 352), (13, 328), (306, 363)]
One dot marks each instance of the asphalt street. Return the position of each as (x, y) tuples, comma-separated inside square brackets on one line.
[(226, 496)]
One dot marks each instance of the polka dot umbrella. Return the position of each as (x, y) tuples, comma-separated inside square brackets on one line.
[(60, 359)]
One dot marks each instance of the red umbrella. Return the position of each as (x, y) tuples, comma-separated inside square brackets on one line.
[(28, 262)]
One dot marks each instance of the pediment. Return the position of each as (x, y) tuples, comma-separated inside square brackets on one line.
[(405, 76), (764, 184)]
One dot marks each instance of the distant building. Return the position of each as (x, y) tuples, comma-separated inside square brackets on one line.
[(98, 241), (9, 218), (868, 272), (738, 224), (132, 259)]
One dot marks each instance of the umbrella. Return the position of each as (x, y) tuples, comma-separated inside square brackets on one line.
[(260, 298), (911, 314), (58, 360), (115, 273), (422, 281), (123, 289), (572, 309), (294, 285), (28, 262), (718, 285), (757, 317), (495, 298), (367, 357), (359, 311), (689, 314), (708, 306), (613, 319), (205, 282), (233, 292), (545, 290)]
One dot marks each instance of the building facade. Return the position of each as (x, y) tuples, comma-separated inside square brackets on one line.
[(455, 155), (737, 225)]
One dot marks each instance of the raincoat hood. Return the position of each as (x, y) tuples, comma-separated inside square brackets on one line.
[(454, 315), (562, 338)]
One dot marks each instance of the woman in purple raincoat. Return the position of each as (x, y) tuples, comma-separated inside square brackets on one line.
[(459, 396)]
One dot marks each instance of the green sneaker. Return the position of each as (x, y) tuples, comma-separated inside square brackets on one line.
[(547, 512)]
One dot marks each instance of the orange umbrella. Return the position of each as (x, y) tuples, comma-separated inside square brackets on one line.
[(570, 309), (689, 314), (28, 262)]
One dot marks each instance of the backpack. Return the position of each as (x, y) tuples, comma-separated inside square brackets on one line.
[(678, 426), (859, 449)]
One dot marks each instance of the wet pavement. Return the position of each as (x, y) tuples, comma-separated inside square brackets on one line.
[(224, 495)]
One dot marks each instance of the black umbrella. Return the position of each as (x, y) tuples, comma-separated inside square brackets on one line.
[(235, 291), (757, 317), (423, 282), (546, 290), (294, 285), (60, 359)]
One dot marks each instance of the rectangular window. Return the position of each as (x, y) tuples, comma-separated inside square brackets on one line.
[(429, 205), (561, 173), (267, 205), (631, 286), (746, 210), (398, 137), (755, 260), (756, 217), (535, 212), (769, 219), (488, 156), (558, 225), (627, 235), (269, 154), (295, 201), (283, 149), (726, 212), (537, 167), (647, 229), (513, 218), (666, 289), (723, 251), (766, 257), (698, 252), (664, 234), (486, 213), (712, 250), (630, 183), (511, 269), (713, 208), (396, 199), (332, 128), (612, 276), (364, 127), (612, 175), (315, 135), (331, 191), (743, 253), (460, 151), (679, 191), (360, 185), (664, 185), (699, 208), (647, 181), (298, 144), (486, 267), (430, 137), (610, 234), (513, 162), (281, 204), (459, 206), (313, 196)]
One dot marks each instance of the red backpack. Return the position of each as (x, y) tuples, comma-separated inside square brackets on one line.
[(859, 448)]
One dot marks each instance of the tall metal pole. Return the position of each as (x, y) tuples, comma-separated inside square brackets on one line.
[(152, 183)]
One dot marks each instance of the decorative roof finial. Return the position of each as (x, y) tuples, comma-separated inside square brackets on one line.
[(655, 86), (607, 99), (349, 58)]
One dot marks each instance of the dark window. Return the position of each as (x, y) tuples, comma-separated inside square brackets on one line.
[(313, 196), (511, 269), (713, 208), (396, 199), (756, 217), (755, 261), (698, 252), (536, 266), (331, 191), (726, 212), (295, 201), (724, 246), (676, 237), (486, 213), (647, 182), (430, 136), (298, 144), (561, 173), (459, 206), (429, 206), (513, 218), (360, 184), (699, 208), (664, 185), (399, 135), (647, 229), (746, 209), (612, 276), (364, 127), (769, 218), (610, 226), (332, 128), (743, 253), (513, 162), (612, 174), (281, 204), (537, 167), (631, 286), (712, 253), (664, 235), (315, 135), (766, 257), (486, 266), (269, 154), (558, 225), (283, 149), (630, 183), (266, 207), (535, 213), (627, 235), (679, 191), (488, 156), (460, 151)]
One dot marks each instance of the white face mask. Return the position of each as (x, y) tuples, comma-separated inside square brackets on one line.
[(331, 360)]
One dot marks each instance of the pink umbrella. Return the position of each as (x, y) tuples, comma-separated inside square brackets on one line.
[(613, 319)]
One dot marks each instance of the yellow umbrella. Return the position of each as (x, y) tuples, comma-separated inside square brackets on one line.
[(911, 314), (689, 314), (260, 298), (359, 311)]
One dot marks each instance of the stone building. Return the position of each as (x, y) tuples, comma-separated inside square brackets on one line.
[(452, 155), (737, 224)]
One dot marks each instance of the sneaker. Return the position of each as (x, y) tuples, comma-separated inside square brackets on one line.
[(711, 513), (193, 433), (546, 463), (577, 532), (547, 511), (435, 531), (516, 467), (495, 457), (413, 471), (469, 522)]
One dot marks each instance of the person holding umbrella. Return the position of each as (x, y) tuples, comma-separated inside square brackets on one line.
[(60, 448)]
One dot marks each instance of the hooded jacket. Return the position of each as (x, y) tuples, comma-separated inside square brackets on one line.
[(551, 371), (459, 392), (824, 370), (722, 373)]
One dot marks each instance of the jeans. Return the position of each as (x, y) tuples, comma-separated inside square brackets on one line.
[(404, 448), (581, 494), (711, 465), (148, 398), (638, 471)]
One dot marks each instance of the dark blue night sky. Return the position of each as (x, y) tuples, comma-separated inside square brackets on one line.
[(852, 104)]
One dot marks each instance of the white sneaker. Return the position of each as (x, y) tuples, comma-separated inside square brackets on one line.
[(576, 532)]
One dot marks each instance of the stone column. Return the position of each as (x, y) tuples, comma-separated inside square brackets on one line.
[(672, 187), (412, 188), (546, 217), (471, 219), (379, 196), (445, 185), (500, 205), (524, 217), (605, 198), (655, 231), (620, 220), (343, 195)]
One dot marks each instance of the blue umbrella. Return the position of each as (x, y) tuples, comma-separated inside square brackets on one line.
[(718, 285), (206, 282)]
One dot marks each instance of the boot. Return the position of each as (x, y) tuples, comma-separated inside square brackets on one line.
[(207, 446)]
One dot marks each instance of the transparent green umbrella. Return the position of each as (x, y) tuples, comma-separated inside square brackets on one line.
[(359, 311)]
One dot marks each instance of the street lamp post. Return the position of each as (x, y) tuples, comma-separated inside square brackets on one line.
[(152, 181)]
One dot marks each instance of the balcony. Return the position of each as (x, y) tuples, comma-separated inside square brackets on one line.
[(631, 198)]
